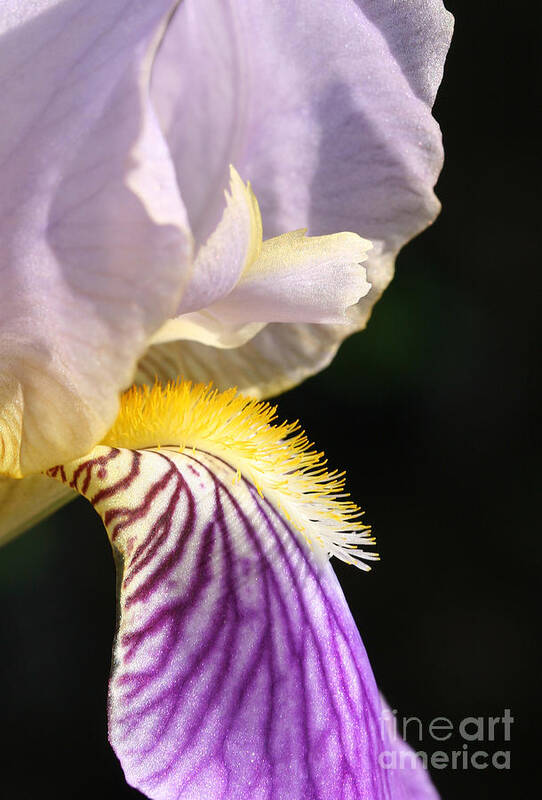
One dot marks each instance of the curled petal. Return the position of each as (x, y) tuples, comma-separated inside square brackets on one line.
[(237, 671), (324, 107), (351, 146), (277, 358), (230, 249), (94, 234), (234, 245), (299, 278), (240, 283)]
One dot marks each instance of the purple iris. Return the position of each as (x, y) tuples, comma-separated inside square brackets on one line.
[(133, 249)]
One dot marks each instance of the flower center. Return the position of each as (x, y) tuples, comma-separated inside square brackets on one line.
[(278, 459)]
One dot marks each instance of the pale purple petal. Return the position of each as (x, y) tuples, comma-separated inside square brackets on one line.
[(297, 278), (326, 109), (221, 261), (292, 278), (232, 245), (238, 673), (239, 283), (93, 230)]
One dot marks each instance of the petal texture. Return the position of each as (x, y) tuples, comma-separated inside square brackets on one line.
[(299, 278), (237, 669), (399, 757), (230, 249), (277, 358), (325, 108), (25, 502), (240, 283), (235, 243), (94, 234)]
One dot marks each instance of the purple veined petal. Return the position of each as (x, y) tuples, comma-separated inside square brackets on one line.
[(326, 109), (398, 757), (237, 669), (95, 241)]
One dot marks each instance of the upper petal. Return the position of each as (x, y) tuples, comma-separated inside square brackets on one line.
[(94, 234), (220, 262), (326, 109), (230, 249), (299, 278), (239, 283)]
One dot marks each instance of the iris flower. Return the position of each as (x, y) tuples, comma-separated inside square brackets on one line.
[(135, 254)]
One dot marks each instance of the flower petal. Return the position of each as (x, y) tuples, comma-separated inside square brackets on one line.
[(94, 234), (325, 108), (237, 671), (240, 283), (25, 502), (294, 278), (299, 279), (276, 359), (234, 244), (413, 778), (231, 248)]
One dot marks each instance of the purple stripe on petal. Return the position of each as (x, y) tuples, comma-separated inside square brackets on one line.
[(238, 671)]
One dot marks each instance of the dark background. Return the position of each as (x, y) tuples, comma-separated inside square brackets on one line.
[(430, 411)]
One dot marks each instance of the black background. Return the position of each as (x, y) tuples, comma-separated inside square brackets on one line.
[(430, 411)]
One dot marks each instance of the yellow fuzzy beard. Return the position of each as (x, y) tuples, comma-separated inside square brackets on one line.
[(278, 459)]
